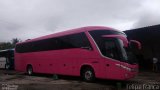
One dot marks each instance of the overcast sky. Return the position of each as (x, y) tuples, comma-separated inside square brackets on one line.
[(26, 19)]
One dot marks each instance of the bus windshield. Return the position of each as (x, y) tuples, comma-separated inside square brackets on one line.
[(127, 53), (113, 47)]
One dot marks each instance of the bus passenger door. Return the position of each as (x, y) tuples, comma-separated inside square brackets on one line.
[(113, 70)]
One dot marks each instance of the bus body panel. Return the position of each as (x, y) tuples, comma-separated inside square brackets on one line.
[(64, 61)]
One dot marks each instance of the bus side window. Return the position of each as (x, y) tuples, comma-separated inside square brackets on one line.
[(81, 40), (74, 41)]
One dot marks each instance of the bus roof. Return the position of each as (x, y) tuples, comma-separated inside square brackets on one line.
[(71, 31)]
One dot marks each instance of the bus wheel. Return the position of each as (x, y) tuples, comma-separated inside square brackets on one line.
[(29, 70), (7, 66), (88, 75)]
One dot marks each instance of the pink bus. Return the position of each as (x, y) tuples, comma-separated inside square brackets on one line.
[(90, 52)]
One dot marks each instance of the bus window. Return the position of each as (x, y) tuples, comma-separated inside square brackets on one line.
[(74, 41), (64, 42), (110, 49)]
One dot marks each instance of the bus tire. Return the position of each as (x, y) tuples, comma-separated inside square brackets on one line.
[(88, 74), (29, 70)]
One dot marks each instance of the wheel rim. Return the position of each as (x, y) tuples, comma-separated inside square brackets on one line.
[(88, 75), (7, 66), (29, 70)]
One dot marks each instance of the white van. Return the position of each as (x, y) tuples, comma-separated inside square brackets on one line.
[(2, 62)]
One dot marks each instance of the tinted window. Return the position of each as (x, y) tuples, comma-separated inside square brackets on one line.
[(110, 48), (99, 33), (74, 41), (40, 45), (64, 42)]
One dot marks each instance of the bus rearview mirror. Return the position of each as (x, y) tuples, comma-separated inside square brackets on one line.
[(135, 44)]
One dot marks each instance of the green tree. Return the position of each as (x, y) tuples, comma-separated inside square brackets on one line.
[(6, 45), (9, 45), (14, 41)]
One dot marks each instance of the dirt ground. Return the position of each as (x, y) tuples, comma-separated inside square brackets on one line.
[(12, 80)]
